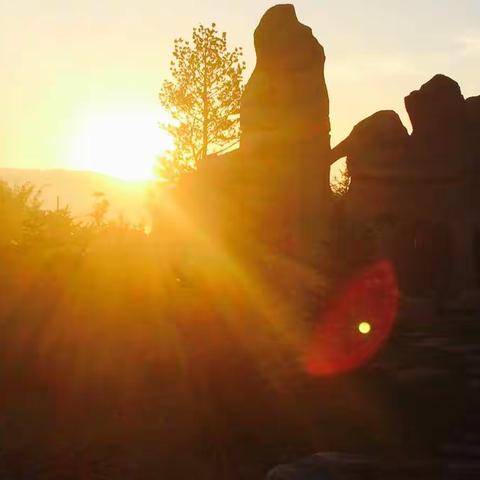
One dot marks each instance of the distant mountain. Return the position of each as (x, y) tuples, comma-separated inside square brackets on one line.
[(76, 189)]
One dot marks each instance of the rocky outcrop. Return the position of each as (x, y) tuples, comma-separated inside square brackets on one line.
[(377, 153), (285, 108), (285, 136), (422, 188), (473, 132), (277, 183), (436, 105), (285, 100), (376, 146), (418, 192), (473, 125), (444, 132), (438, 115)]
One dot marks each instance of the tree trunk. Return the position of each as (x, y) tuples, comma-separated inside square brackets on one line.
[(205, 109)]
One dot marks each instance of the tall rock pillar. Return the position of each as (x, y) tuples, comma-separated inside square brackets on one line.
[(285, 124)]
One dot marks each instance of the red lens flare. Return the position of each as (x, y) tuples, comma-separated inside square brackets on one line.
[(357, 323)]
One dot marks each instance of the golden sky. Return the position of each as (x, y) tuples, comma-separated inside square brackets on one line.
[(83, 77)]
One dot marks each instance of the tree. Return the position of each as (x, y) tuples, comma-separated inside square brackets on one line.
[(26, 227), (203, 99), (341, 182), (20, 213), (100, 208)]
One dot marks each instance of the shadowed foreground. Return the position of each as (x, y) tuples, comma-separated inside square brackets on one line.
[(120, 375)]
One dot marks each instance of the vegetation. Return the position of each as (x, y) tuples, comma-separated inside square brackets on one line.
[(104, 324), (203, 99), (341, 182), (118, 355), (135, 342)]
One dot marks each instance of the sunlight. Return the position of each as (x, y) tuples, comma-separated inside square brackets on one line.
[(122, 140)]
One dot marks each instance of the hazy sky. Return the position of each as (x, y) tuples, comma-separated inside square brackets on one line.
[(65, 63)]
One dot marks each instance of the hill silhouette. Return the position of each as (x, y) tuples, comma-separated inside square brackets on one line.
[(76, 188)]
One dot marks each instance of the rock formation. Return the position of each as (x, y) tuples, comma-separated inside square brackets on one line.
[(473, 125), (278, 181), (416, 194), (376, 150), (423, 186), (285, 103), (439, 120), (377, 139), (285, 126)]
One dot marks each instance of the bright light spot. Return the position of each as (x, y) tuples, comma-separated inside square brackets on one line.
[(343, 338), (122, 140), (364, 328)]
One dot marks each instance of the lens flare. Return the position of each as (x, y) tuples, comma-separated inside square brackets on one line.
[(364, 328), (336, 345)]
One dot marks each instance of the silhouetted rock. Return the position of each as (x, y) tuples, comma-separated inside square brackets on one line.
[(374, 145), (275, 188), (473, 122), (286, 129), (413, 196), (438, 115), (377, 152), (473, 126), (285, 100)]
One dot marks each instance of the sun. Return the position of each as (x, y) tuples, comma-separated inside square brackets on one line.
[(121, 140)]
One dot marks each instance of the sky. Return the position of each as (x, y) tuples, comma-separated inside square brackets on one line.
[(73, 71)]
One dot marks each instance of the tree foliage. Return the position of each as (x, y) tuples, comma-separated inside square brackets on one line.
[(341, 182), (203, 98), (29, 229), (100, 208)]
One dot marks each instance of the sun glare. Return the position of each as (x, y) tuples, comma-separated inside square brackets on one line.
[(122, 140), (364, 328)]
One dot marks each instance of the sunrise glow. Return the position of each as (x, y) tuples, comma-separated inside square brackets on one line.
[(121, 140)]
